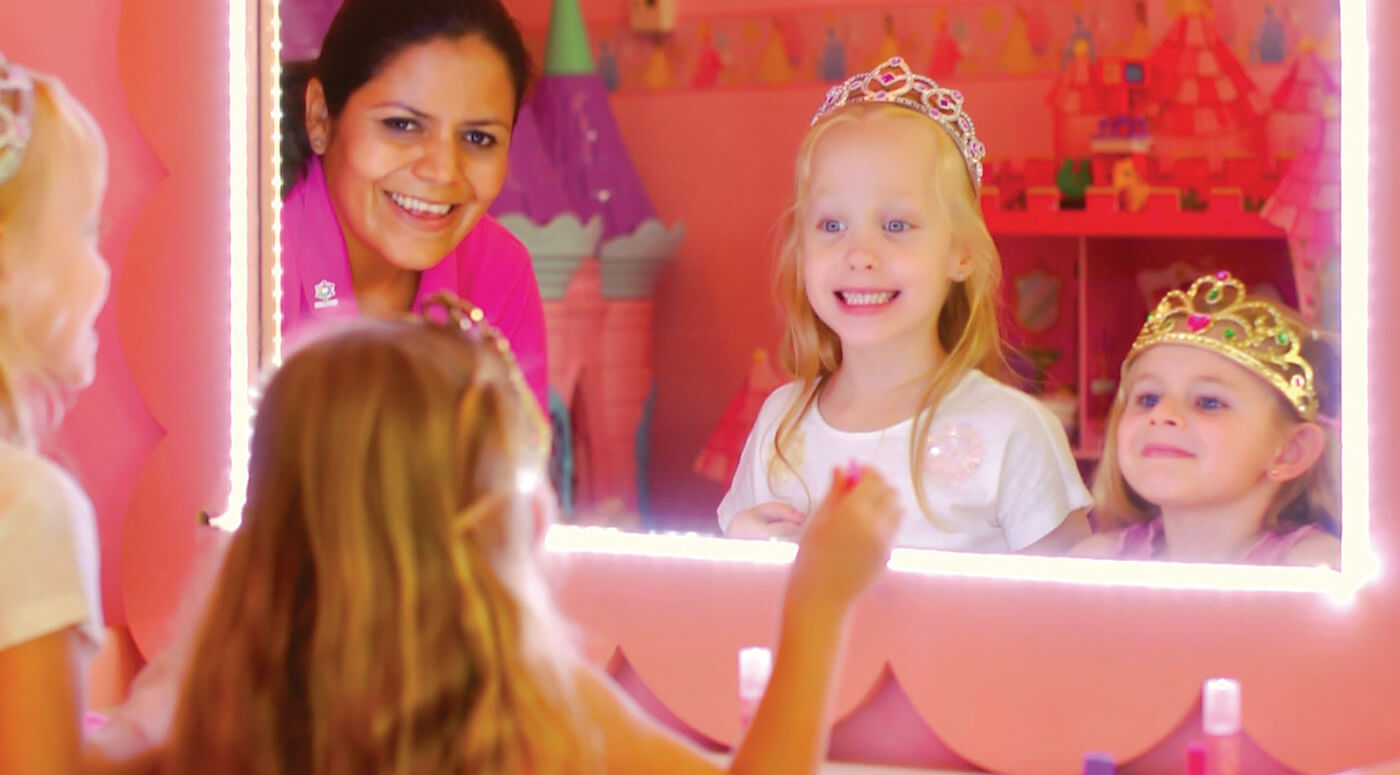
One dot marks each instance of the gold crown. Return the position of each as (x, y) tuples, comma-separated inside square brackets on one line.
[(1217, 314), (16, 115), (894, 83)]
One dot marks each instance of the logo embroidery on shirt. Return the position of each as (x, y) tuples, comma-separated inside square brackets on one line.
[(954, 453), (325, 294)]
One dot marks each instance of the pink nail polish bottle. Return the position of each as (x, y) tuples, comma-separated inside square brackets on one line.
[(1196, 759)]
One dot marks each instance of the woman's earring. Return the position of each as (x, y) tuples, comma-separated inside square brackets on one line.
[(318, 145)]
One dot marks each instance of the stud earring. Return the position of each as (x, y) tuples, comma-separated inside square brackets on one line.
[(318, 144)]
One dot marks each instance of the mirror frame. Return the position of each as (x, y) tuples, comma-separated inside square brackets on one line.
[(1359, 564)]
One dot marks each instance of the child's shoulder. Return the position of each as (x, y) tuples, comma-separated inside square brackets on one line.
[(981, 394), (28, 478), (42, 508), (1318, 547), (781, 399), (1102, 546)]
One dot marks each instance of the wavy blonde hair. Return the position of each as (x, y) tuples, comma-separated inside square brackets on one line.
[(968, 324), (379, 610), (1315, 497), (63, 132)]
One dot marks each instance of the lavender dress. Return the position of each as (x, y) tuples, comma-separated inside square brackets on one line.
[(1143, 541)]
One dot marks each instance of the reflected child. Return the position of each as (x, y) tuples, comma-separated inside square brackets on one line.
[(1220, 447), (889, 282)]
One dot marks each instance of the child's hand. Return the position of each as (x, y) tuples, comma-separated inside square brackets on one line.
[(767, 520), (847, 541)]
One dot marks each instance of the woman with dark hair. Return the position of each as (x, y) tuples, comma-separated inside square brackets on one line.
[(395, 143)]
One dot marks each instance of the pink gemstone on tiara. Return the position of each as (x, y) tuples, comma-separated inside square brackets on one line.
[(1197, 321), (1222, 275), (917, 92)]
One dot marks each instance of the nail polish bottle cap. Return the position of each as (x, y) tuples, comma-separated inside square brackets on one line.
[(1099, 764), (1220, 707), (755, 666)]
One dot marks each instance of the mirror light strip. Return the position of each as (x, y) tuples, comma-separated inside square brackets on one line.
[(1358, 561), (240, 225)]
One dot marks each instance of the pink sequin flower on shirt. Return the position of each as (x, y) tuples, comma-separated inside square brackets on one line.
[(954, 453)]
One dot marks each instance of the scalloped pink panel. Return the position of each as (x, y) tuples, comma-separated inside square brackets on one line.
[(1016, 676), (173, 300)]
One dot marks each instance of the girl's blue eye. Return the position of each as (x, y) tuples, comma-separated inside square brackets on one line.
[(1210, 402), (1147, 400), (480, 138), (897, 226), (829, 225)]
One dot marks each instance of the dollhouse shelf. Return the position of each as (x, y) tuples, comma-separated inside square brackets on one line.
[(1081, 223), (1110, 261), (1160, 216)]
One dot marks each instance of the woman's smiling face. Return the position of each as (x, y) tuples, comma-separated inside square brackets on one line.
[(419, 152)]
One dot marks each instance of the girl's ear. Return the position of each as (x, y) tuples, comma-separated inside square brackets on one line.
[(962, 268), (1302, 447)]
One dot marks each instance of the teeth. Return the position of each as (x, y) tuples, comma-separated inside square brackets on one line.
[(864, 299), (414, 205)]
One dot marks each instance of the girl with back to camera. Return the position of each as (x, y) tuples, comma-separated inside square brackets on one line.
[(889, 283), (1220, 444), (381, 609)]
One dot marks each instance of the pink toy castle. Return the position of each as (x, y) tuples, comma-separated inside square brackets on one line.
[(576, 201)]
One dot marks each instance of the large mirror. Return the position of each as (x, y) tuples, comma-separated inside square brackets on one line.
[(1132, 148)]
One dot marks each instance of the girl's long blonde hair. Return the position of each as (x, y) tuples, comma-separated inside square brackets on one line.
[(379, 610), (968, 324), (1315, 497), (62, 132)]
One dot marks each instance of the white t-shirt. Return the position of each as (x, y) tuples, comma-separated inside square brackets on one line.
[(999, 474), (48, 552)]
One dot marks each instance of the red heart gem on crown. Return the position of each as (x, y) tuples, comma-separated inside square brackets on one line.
[(1197, 321)]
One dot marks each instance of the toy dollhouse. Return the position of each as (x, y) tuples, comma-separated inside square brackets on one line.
[(575, 199), (1185, 150)]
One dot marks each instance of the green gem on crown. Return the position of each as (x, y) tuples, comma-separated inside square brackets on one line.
[(1283, 338), (1229, 333), (1213, 295)]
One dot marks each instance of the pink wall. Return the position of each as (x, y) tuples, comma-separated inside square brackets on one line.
[(149, 440)]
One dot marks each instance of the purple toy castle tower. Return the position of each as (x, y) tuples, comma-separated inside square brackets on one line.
[(577, 202)]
